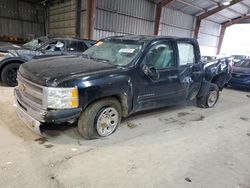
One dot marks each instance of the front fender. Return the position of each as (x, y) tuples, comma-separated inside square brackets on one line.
[(97, 87), (11, 59)]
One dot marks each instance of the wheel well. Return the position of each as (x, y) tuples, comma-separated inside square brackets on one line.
[(218, 80), (122, 99), (9, 62)]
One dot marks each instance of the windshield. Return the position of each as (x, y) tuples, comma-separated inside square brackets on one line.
[(244, 63), (31, 44), (116, 53)]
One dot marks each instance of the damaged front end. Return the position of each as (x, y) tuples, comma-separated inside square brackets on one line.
[(36, 105)]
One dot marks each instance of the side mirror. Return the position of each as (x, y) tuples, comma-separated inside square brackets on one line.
[(151, 72)]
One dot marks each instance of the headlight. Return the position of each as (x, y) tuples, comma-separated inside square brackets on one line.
[(60, 98)]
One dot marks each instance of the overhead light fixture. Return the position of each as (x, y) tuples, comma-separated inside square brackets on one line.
[(226, 2)]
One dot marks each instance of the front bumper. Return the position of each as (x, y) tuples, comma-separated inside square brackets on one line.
[(33, 116)]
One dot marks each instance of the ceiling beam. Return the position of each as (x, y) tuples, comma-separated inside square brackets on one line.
[(245, 5), (214, 2), (191, 5), (235, 21), (235, 12), (221, 15), (164, 3), (217, 9), (209, 13)]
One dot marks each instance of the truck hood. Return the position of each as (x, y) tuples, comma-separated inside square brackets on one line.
[(51, 71), (4, 47)]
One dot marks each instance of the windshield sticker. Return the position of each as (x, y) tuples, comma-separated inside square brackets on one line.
[(127, 50), (99, 43)]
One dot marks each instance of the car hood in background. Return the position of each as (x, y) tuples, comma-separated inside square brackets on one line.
[(49, 71), (241, 70)]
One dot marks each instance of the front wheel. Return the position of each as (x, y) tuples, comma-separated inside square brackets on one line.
[(100, 119), (9, 74), (211, 98)]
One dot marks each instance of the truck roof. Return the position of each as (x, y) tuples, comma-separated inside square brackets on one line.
[(145, 38)]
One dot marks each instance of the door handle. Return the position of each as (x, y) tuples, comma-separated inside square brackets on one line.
[(171, 77)]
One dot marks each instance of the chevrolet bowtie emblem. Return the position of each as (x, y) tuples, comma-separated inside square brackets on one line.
[(22, 87)]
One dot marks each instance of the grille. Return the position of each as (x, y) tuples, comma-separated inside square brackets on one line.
[(30, 92)]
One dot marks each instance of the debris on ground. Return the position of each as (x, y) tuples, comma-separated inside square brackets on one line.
[(244, 119), (49, 146), (79, 143), (180, 114), (41, 140), (131, 166), (188, 179), (131, 125)]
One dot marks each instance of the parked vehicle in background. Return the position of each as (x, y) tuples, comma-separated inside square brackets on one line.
[(237, 58), (115, 78), (208, 58), (11, 59), (36, 42), (241, 75)]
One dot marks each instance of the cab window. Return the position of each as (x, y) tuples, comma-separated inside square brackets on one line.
[(76, 46), (186, 53), (160, 56)]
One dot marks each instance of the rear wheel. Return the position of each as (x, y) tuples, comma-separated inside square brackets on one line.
[(211, 98), (100, 119), (9, 74)]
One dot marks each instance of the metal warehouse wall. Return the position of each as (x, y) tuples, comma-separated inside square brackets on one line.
[(21, 19), (175, 23), (62, 19), (209, 37), (116, 17)]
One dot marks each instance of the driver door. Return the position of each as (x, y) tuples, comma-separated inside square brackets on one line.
[(160, 88)]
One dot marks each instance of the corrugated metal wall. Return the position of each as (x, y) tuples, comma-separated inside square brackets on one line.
[(209, 37), (62, 19), (176, 23), (117, 17), (21, 19)]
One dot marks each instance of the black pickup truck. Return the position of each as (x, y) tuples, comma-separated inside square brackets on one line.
[(116, 77)]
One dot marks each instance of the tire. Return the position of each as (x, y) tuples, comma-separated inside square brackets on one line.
[(9, 74), (98, 117), (211, 98)]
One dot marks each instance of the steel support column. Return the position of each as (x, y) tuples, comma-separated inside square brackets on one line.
[(224, 27), (221, 38), (157, 19), (91, 17), (158, 12)]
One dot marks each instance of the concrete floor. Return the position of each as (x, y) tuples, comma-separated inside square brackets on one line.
[(181, 146)]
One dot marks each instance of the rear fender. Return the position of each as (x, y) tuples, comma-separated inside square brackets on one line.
[(205, 86)]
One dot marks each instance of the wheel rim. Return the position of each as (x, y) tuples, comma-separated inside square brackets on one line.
[(107, 121), (212, 98), (12, 75)]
